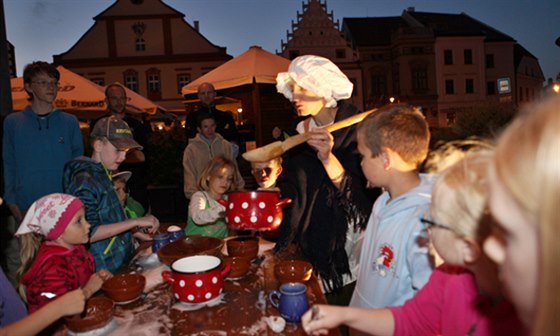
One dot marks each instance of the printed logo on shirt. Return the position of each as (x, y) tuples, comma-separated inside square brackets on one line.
[(385, 263)]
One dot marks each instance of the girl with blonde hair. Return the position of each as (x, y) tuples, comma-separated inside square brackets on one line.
[(206, 215), (525, 200), (54, 260)]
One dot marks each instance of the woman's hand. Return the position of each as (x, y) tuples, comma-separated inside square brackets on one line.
[(70, 303), (322, 141)]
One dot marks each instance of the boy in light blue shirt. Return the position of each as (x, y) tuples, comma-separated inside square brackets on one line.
[(394, 261)]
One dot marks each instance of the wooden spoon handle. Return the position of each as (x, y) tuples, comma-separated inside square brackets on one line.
[(349, 121)]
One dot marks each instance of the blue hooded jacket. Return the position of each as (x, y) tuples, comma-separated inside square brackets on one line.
[(86, 179), (35, 150)]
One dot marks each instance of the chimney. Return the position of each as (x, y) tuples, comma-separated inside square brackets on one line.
[(196, 25), (410, 9)]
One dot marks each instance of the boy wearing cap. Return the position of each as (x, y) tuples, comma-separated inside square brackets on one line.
[(111, 239)]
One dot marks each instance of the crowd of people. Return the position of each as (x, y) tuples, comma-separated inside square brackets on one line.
[(467, 250)]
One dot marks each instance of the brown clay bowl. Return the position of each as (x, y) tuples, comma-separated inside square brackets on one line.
[(243, 246), (188, 246), (99, 311), (239, 266), (293, 271), (124, 287)]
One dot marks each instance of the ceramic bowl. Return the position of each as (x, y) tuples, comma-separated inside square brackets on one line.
[(98, 312), (239, 266), (293, 271), (189, 246), (124, 287), (243, 246)]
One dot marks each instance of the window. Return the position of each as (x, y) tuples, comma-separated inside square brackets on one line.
[(469, 86), (490, 88), (489, 61), (182, 80), (467, 53), (154, 84), (140, 44), (131, 80), (449, 87), (378, 84), (419, 79), (340, 53), (447, 56)]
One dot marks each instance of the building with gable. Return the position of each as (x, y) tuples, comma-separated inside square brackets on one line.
[(316, 33), (444, 63), (146, 45)]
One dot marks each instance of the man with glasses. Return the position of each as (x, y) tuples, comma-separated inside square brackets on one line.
[(37, 142)]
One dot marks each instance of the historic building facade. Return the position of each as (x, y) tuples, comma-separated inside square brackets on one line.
[(147, 46), (444, 63)]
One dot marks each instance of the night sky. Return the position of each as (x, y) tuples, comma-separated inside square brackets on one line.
[(40, 29)]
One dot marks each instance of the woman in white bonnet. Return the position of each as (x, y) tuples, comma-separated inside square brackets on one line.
[(323, 176)]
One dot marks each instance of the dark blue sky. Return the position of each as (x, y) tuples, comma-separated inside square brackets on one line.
[(42, 28)]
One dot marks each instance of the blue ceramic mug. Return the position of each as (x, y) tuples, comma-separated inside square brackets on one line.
[(175, 232), (290, 300), (159, 240)]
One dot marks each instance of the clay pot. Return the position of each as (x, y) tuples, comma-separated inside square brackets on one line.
[(254, 210), (243, 246), (239, 266), (99, 311), (198, 278), (293, 271), (189, 246), (124, 287)]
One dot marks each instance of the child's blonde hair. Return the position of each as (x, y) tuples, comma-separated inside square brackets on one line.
[(528, 164), (213, 168), (399, 127), (459, 196)]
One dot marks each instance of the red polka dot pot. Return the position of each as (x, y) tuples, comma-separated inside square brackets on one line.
[(197, 279), (254, 210)]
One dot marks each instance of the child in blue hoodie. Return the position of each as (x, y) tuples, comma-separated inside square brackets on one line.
[(394, 260)]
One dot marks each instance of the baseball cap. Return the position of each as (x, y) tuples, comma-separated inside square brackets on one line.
[(125, 175), (116, 131)]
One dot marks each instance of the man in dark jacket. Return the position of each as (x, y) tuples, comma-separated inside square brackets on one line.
[(225, 125)]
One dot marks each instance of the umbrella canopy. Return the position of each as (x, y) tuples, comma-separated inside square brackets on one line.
[(79, 95), (254, 64)]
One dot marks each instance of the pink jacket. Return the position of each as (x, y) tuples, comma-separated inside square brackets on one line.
[(449, 304)]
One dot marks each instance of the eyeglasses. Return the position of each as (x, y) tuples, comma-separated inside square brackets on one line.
[(429, 224), (45, 83)]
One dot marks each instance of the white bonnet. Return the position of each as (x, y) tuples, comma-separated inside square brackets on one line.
[(318, 75)]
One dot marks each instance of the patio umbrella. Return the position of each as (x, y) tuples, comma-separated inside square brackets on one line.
[(80, 96), (256, 64)]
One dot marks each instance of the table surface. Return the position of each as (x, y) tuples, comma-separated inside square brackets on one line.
[(242, 309)]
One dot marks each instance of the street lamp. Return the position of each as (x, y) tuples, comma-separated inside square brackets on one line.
[(240, 115)]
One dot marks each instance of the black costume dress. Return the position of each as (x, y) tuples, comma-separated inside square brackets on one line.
[(320, 214)]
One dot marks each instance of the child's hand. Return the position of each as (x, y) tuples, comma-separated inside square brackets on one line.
[(71, 303), (95, 282), (148, 221), (320, 318), (142, 237)]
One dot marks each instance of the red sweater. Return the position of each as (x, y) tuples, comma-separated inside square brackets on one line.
[(56, 270)]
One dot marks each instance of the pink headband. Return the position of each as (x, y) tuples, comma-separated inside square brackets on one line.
[(50, 215)]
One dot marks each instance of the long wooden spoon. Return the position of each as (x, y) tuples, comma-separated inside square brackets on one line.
[(278, 148)]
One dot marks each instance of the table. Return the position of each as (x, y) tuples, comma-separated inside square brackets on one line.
[(241, 310)]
